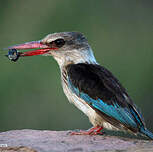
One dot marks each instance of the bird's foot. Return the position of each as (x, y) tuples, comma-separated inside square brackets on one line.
[(92, 131)]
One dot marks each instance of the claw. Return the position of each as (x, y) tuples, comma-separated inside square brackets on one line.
[(93, 131)]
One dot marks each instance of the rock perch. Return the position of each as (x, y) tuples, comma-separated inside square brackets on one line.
[(61, 141)]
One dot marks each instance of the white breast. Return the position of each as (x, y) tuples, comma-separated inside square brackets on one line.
[(78, 102)]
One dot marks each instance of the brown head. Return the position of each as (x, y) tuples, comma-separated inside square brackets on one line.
[(64, 47)]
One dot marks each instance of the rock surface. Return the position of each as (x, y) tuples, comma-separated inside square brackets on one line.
[(60, 141)]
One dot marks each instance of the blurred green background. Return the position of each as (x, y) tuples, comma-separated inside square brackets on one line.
[(120, 33)]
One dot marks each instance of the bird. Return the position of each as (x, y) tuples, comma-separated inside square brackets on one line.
[(89, 86)]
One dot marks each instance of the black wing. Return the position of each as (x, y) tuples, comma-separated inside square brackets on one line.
[(103, 92)]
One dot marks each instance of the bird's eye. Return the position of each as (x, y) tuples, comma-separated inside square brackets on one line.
[(59, 42)]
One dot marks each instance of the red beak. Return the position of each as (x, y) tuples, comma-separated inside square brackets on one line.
[(38, 45)]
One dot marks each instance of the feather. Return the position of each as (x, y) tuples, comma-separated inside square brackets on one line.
[(103, 92)]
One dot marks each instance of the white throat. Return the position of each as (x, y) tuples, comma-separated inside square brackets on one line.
[(74, 56)]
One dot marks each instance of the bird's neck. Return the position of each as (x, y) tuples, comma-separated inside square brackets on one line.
[(74, 57)]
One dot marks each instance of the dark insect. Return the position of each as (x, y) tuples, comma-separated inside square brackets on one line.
[(13, 55)]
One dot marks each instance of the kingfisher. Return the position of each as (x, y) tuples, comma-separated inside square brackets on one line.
[(89, 86)]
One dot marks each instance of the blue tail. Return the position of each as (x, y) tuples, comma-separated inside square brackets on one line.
[(146, 133)]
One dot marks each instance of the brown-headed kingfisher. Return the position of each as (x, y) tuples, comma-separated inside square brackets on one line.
[(89, 86)]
